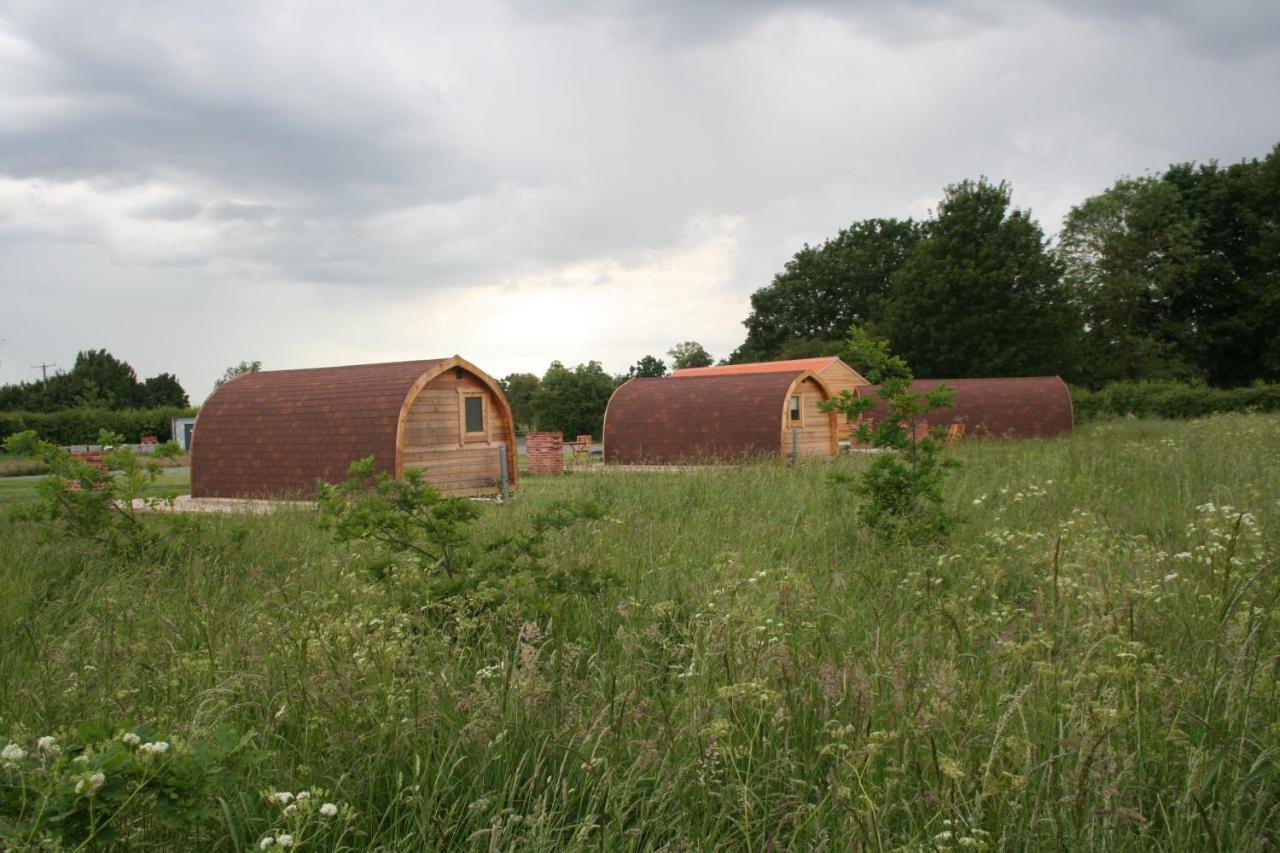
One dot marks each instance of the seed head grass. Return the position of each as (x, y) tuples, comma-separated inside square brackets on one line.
[(1087, 661)]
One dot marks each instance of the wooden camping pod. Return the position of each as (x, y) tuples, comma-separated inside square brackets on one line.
[(278, 432), (1014, 407), (837, 375), (718, 418)]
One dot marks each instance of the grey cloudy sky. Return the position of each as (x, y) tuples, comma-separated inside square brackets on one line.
[(191, 184)]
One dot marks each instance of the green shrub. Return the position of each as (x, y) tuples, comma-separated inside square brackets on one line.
[(409, 518), (91, 502), (1173, 400), (89, 787), (903, 487), (81, 426)]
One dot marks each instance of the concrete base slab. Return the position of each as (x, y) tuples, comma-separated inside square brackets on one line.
[(186, 503)]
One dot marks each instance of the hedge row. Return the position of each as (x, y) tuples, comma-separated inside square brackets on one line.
[(1171, 400), (81, 426)]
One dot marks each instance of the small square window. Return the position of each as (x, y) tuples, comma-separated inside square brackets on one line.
[(795, 408), (474, 412)]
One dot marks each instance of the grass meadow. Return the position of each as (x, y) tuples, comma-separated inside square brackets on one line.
[(1089, 661)]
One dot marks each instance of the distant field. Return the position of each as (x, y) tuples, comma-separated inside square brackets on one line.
[(1091, 661)]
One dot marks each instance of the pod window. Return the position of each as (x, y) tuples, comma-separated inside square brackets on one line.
[(473, 415), (796, 410)]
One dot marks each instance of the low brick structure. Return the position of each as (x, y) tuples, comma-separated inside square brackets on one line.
[(544, 452), (94, 460)]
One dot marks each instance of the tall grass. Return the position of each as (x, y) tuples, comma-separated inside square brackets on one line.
[(1089, 661)]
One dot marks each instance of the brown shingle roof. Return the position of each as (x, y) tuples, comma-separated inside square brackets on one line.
[(1022, 407), (278, 431), (694, 418)]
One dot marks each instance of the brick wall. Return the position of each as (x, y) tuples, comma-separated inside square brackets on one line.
[(544, 453)]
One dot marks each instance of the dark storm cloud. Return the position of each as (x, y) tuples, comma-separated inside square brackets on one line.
[(184, 94), (249, 158), (1219, 28)]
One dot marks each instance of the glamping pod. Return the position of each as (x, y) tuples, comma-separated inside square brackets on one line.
[(837, 375), (1025, 407), (277, 432), (718, 418)]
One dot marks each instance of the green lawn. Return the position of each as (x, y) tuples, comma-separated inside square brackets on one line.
[(17, 489), (1089, 662)]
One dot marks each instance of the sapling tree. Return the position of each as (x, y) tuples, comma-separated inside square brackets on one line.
[(89, 501), (903, 486), (410, 518), (407, 515)]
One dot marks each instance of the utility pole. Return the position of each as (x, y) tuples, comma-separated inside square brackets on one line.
[(44, 369)]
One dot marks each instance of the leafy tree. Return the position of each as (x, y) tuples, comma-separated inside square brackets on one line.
[(1176, 275), (162, 390), (808, 348), (104, 380), (903, 488), (573, 401), (97, 380), (825, 289), (1125, 254), (980, 295), (689, 354), (1233, 300), (521, 388), (649, 366), (235, 370)]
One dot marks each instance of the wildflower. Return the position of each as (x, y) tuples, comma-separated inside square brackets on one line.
[(48, 744), (266, 842), (285, 840), (291, 809), (303, 795), (281, 797), (328, 810), (130, 739), (13, 753), (92, 783), (157, 748)]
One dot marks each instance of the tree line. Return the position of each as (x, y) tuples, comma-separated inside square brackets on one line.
[(1172, 276), (572, 400), (98, 380)]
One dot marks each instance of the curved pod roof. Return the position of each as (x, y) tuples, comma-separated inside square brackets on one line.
[(276, 432), (699, 418), (1013, 407), (793, 365)]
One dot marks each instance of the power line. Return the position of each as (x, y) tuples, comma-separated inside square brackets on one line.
[(21, 352)]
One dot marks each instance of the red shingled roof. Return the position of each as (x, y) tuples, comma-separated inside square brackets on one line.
[(1021, 407), (795, 365), (278, 431), (696, 418)]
